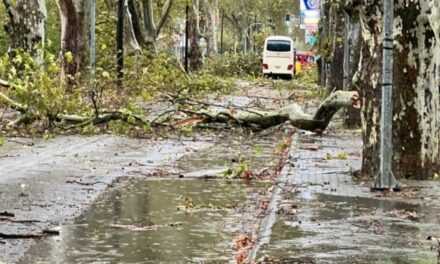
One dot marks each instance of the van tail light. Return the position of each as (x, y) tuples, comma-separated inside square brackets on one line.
[(265, 66), (290, 67)]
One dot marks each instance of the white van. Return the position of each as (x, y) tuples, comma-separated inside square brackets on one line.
[(279, 57)]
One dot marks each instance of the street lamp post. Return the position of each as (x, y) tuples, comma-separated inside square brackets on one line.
[(120, 43), (386, 180), (186, 37)]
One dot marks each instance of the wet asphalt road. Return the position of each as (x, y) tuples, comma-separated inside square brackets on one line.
[(51, 182)]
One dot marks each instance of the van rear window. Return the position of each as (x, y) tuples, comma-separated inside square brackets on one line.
[(278, 45)]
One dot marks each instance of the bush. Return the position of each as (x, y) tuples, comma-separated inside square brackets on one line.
[(37, 85), (163, 73), (234, 65)]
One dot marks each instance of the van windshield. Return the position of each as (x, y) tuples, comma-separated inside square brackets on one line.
[(278, 45)]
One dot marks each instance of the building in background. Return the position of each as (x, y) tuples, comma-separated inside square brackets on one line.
[(310, 15)]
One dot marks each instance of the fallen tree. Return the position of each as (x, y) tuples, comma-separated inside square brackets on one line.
[(196, 112), (293, 113)]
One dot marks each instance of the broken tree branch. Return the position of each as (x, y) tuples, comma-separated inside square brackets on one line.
[(293, 113)]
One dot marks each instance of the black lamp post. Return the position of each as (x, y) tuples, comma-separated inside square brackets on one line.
[(120, 43), (187, 37)]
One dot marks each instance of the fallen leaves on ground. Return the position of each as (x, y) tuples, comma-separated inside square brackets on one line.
[(339, 156), (242, 244)]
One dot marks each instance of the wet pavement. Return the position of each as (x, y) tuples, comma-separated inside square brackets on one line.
[(164, 221), (44, 184), (190, 215), (117, 200), (338, 220), (316, 212)]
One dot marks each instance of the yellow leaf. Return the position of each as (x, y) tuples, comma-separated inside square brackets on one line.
[(68, 56)]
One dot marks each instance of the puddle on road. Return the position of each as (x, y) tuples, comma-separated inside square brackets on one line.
[(114, 229), (107, 233), (258, 153)]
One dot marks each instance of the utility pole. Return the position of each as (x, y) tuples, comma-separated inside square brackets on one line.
[(120, 43), (386, 180), (187, 37), (222, 30), (347, 51)]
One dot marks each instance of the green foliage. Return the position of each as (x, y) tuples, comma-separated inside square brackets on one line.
[(146, 77), (4, 39), (2, 141), (308, 76), (37, 86), (234, 65), (237, 171)]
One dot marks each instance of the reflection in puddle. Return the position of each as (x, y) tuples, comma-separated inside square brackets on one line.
[(155, 221)]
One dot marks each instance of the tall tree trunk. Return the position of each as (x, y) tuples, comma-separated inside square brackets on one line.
[(324, 43), (151, 30), (195, 53), (73, 15), (133, 8), (335, 75), (214, 21), (130, 26), (351, 63), (26, 26), (416, 98)]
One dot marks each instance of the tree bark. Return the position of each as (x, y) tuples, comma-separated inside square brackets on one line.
[(195, 53), (352, 117), (73, 36), (151, 31), (335, 75), (130, 26), (416, 98), (292, 113), (26, 26)]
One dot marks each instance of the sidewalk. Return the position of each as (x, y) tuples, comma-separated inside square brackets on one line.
[(330, 218)]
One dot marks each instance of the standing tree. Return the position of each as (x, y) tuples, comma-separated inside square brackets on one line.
[(26, 26), (147, 34), (206, 18), (416, 97), (73, 14)]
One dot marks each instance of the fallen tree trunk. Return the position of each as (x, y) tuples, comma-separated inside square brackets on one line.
[(293, 113)]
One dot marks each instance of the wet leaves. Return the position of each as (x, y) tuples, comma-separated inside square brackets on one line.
[(339, 156), (242, 244)]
